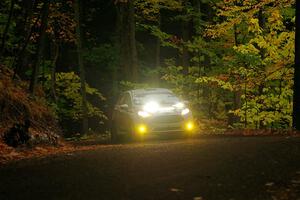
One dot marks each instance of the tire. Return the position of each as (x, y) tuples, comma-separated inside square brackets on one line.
[(117, 138), (127, 137), (114, 134)]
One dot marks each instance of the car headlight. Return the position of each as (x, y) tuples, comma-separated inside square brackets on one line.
[(189, 126), (144, 114), (141, 129), (179, 105), (151, 107), (185, 111)]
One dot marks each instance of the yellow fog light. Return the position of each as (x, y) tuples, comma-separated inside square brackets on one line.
[(189, 126), (141, 129)]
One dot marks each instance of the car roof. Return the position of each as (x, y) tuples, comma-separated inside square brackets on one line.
[(150, 90)]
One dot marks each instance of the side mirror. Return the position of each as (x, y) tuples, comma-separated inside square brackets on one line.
[(124, 107)]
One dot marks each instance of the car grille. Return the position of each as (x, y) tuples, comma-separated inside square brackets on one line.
[(166, 129), (167, 119)]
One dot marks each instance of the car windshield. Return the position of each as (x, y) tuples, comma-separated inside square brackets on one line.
[(161, 98)]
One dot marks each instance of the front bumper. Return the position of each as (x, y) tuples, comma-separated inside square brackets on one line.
[(165, 123)]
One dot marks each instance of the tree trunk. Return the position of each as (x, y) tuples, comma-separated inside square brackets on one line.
[(128, 52), (81, 69), (196, 28), (132, 41), (25, 29), (185, 53), (53, 71), (6, 29), (246, 103), (40, 47), (157, 55), (117, 42), (262, 52), (158, 43), (237, 94), (197, 19), (296, 101), (123, 39)]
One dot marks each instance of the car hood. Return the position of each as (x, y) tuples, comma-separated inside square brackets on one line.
[(164, 109)]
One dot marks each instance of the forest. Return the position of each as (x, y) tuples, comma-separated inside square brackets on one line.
[(63, 63)]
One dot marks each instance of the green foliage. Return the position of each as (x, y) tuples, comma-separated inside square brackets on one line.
[(11, 37), (240, 56), (246, 71), (150, 9), (267, 105), (105, 53), (204, 101), (127, 85), (69, 100), (165, 38)]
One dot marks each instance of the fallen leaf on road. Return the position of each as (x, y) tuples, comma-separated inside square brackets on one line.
[(12, 154), (198, 198), (175, 190), (296, 181), (269, 184)]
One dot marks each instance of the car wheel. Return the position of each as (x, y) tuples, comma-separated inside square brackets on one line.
[(117, 137), (126, 137), (114, 133), (134, 136)]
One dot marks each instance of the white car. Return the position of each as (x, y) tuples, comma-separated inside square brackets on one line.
[(150, 111)]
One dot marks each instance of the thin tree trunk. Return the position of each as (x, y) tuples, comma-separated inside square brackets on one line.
[(197, 18), (185, 53), (20, 56), (199, 75), (132, 40), (157, 55), (158, 43), (125, 63), (236, 42), (53, 71), (81, 69), (296, 101), (40, 47), (246, 103), (237, 94), (5, 32), (262, 52), (25, 29), (197, 25), (117, 45)]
